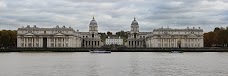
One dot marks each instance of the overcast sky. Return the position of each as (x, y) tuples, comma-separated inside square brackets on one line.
[(114, 15)]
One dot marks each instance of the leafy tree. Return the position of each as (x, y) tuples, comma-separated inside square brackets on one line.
[(8, 38), (103, 36), (216, 29), (109, 33), (219, 37)]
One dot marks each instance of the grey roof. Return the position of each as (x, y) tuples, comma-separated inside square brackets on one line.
[(114, 37), (170, 29), (84, 33), (45, 29), (141, 33), (52, 34), (134, 22), (93, 22)]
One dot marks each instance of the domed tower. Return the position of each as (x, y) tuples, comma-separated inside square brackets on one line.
[(134, 26), (93, 26)]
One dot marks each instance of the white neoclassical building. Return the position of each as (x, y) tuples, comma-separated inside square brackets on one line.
[(164, 37), (63, 37), (169, 38), (91, 39), (57, 37), (114, 41), (136, 39)]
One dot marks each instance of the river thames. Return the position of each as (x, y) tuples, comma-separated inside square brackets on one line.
[(114, 64)]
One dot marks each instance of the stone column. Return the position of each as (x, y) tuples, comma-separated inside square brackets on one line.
[(32, 41), (27, 42), (54, 41), (23, 42)]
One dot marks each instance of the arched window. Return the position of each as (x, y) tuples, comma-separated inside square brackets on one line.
[(135, 35), (92, 35)]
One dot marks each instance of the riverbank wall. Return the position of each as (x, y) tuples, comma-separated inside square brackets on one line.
[(115, 50)]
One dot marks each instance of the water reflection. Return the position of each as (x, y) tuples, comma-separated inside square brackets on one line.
[(93, 67), (134, 65), (115, 64)]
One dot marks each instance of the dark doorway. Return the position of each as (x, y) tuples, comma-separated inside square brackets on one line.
[(83, 43), (44, 42), (92, 35)]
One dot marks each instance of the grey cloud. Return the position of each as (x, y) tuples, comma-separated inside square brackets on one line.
[(118, 14)]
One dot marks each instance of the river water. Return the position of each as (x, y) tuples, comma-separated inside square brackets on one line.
[(114, 64)]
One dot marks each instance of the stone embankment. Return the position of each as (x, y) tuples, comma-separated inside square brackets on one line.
[(115, 50)]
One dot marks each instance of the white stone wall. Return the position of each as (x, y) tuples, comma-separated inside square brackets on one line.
[(168, 38), (110, 41), (59, 37)]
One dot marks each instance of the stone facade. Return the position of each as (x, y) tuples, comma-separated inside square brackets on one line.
[(169, 38), (136, 39), (91, 39), (63, 37), (113, 41), (58, 37), (164, 38)]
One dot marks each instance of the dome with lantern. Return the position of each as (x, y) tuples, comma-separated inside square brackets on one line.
[(134, 22), (93, 22)]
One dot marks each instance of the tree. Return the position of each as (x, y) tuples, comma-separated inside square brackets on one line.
[(5, 38), (219, 37), (109, 33), (216, 29), (8, 38), (209, 39), (103, 36)]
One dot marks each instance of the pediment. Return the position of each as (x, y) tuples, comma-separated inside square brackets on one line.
[(166, 36), (29, 34), (192, 36), (59, 34)]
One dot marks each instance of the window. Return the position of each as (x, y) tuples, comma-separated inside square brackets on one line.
[(52, 44), (52, 39), (22, 39), (159, 45), (92, 35), (59, 39), (29, 45), (44, 32), (67, 39), (37, 39), (59, 45), (22, 44), (37, 44), (66, 44)]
